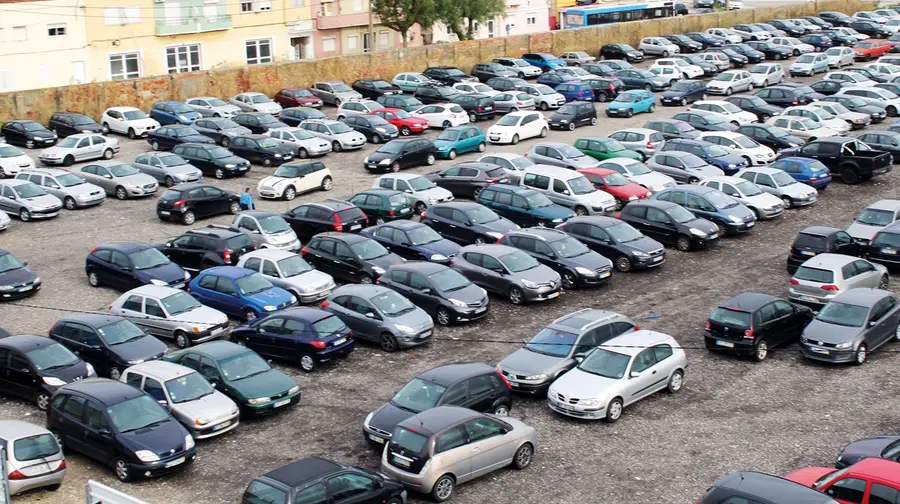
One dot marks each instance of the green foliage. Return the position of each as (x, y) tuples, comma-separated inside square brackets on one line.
[(460, 16), (401, 15)]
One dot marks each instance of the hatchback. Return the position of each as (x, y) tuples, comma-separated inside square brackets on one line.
[(34, 367), (295, 178), (601, 148), (262, 149), (873, 219), (752, 324), (239, 292), (620, 51), (71, 123), (522, 205), (572, 115), (815, 240), (126, 265), (764, 205), (187, 202), (290, 272), (873, 479), (120, 180), (885, 246), (413, 241), (478, 106), (27, 200), (670, 223), (294, 116), (684, 92), (167, 168), (731, 216), (459, 140), (825, 276), (627, 247), (706, 121), (401, 153), (508, 272), (34, 459), (683, 167), (349, 257), (70, 188), (631, 102), (401, 119), (173, 112), (213, 160), (403, 102), (13, 160), (209, 106), (761, 488), (383, 205), (443, 293), (28, 134), (578, 265), (265, 229), (770, 136), (708, 151), (469, 178), (466, 223), (167, 137), (885, 447), (198, 249), (331, 215), (885, 141)]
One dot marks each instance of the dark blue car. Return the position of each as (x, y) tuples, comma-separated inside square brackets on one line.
[(526, 207), (544, 61), (16, 280), (551, 79), (167, 137), (684, 92), (126, 265), (239, 292), (731, 216), (121, 427), (709, 152), (806, 170), (817, 40), (413, 241), (575, 90), (173, 112)]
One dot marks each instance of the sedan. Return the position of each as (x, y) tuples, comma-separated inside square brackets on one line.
[(761, 203), (79, 147), (221, 130), (27, 201), (120, 180), (802, 127), (28, 134), (13, 160), (621, 51), (684, 92), (167, 137), (255, 102), (508, 272), (777, 182)]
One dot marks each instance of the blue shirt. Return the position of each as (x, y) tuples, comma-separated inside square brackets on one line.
[(247, 201)]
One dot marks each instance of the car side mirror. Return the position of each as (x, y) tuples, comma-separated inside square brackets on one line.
[(872, 323), (566, 192), (557, 157), (442, 174), (370, 315), (408, 191), (426, 291), (104, 432), (255, 231), (635, 374), (12, 196), (107, 176), (163, 402), (26, 370), (53, 186)]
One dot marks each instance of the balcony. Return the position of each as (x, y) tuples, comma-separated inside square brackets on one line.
[(344, 21), (198, 24)]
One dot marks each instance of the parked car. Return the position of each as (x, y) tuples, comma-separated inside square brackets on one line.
[(731, 216), (255, 102), (522, 68), (522, 205), (459, 140), (71, 189), (764, 205), (413, 241), (349, 257), (770, 136), (446, 295), (187, 202), (738, 144), (874, 218), (296, 115), (706, 121), (79, 147), (684, 92), (517, 126), (208, 106), (644, 141), (173, 112), (290, 272), (220, 130), (572, 115), (762, 488), (469, 178), (670, 223), (814, 240), (849, 158), (808, 171), (27, 201), (127, 265), (167, 137), (258, 122), (684, 167), (544, 97), (466, 223), (129, 121), (630, 102), (72, 123), (340, 135), (36, 368), (266, 230), (706, 39), (883, 248), (442, 115), (870, 478), (12, 160), (435, 94), (297, 97), (710, 152), (356, 108), (33, 457), (824, 276), (410, 81), (509, 272), (620, 51), (730, 82), (684, 43), (120, 180), (304, 143), (779, 183), (567, 188), (672, 128), (16, 279), (239, 292), (383, 205), (373, 88)]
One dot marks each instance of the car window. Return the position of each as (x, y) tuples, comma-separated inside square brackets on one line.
[(347, 486), (662, 352), (75, 407), (453, 438), (152, 308), (881, 494), (455, 394), (133, 303), (483, 428), (480, 385), (94, 417), (644, 360), (154, 389), (848, 490)]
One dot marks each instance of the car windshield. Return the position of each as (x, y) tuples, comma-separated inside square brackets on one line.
[(483, 88), (602, 362), (391, 148), (294, 265), (338, 128), (328, 326), (538, 200), (748, 188), (581, 185), (422, 235), (730, 317), (714, 119), (569, 247), (33, 126), (189, 387), (683, 86), (680, 214), (716, 151), (721, 200), (518, 261), (137, 413), (392, 304), (148, 258), (745, 142), (9, 262), (253, 284), (418, 395), (692, 161), (69, 180), (783, 179), (398, 200), (891, 240), (367, 250), (122, 170), (482, 215), (274, 224), (569, 152), (80, 120), (835, 51), (36, 447), (183, 132), (243, 366), (814, 275), (544, 89), (509, 120), (215, 102), (400, 113), (875, 217), (623, 98), (856, 102), (843, 314), (52, 356), (623, 232), (133, 115), (552, 342), (260, 99), (448, 280), (68, 143), (120, 332), (29, 190), (268, 143), (569, 110), (178, 303), (8, 151), (420, 184), (219, 153), (806, 58), (449, 135)]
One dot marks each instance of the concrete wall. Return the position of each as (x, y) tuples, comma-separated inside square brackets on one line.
[(93, 99)]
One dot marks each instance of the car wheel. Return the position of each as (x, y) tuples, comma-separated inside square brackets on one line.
[(234, 208), (289, 193), (366, 279), (182, 340), (327, 184), (69, 203), (683, 243), (571, 126), (226, 142), (376, 139), (379, 220), (568, 280), (652, 106), (601, 97), (430, 159), (155, 145), (337, 102), (169, 181), (451, 154), (122, 471), (307, 363), (723, 231), (728, 92), (593, 121), (388, 342), (68, 161), (623, 263), (29, 144), (42, 400), (473, 117), (447, 124), (219, 173), (104, 129), (482, 146), (544, 106), (131, 133), (59, 440), (862, 353), (516, 296), (892, 111), (683, 102), (665, 54), (420, 207), (188, 218), (443, 488), (108, 154), (580, 211), (480, 240), (302, 153), (336, 146), (883, 283), (850, 176), (630, 113), (267, 162), (249, 315), (114, 373), (93, 279), (405, 131), (121, 193), (648, 87), (523, 457), (788, 202), (693, 181), (897, 334), (443, 316), (544, 132), (614, 410), (749, 87), (515, 140), (521, 75), (761, 351), (676, 382)]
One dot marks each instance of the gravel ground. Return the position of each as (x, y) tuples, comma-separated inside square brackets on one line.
[(732, 414)]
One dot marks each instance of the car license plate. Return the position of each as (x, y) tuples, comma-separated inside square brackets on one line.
[(175, 462), (819, 350), (726, 344), (24, 289), (340, 341), (481, 310), (242, 168), (566, 407), (221, 425), (604, 274), (751, 224), (400, 461), (427, 334), (552, 295), (512, 383), (355, 227), (372, 165), (807, 253), (165, 213), (376, 439), (658, 258), (282, 403), (808, 299), (888, 251)]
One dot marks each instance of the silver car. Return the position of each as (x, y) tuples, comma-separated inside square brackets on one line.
[(379, 314), (779, 183), (266, 229), (204, 411), (683, 166), (437, 449), (27, 200), (334, 92), (513, 101), (644, 141), (79, 147), (544, 96), (255, 102), (290, 272), (209, 106), (560, 154), (33, 452), (167, 168), (513, 164), (576, 58), (222, 130), (305, 142), (71, 189), (422, 192), (873, 219), (508, 272), (554, 349), (763, 204), (341, 136), (624, 370), (170, 313), (823, 277), (120, 180)]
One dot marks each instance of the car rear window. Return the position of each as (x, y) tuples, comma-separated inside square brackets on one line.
[(730, 317), (262, 493), (411, 442), (814, 275), (238, 242), (328, 326), (171, 195), (496, 172), (35, 447), (657, 137), (813, 241), (887, 240), (350, 214)]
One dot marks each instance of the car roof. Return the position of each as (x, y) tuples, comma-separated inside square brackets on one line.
[(54, 172), (26, 342), (91, 319), (104, 390), (126, 247), (403, 224), (160, 369), (345, 237), (600, 220), (15, 182), (546, 234), (513, 188), (310, 313), (303, 471), (213, 230), (437, 419), (459, 205), (584, 318), (187, 187), (748, 301), (492, 250), (804, 160), (269, 253), (643, 131), (726, 134), (771, 488), (862, 296), (762, 169), (885, 204), (361, 290), (634, 342), (819, 230), (654, 203), (227, 272), (218, 349), (403, 176), (380, 190), (727, 178), (876, 468), (155, 291), (424, 267), (258, 214), (116, 109), (829, 261), (452, 373)]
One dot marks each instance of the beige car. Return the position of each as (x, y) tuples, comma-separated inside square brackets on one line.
[(802, 127)]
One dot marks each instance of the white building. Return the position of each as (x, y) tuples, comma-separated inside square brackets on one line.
[(522, 17)]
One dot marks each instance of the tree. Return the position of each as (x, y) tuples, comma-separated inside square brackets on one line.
[(401, 15), (460, 16)]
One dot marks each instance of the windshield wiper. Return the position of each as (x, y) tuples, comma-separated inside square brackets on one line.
[(139, 336), (151, 424), (404, 407), (252, 374)]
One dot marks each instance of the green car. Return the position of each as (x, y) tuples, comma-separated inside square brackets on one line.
[(601, 148), (459, 140), (242, 375), (382, 205)]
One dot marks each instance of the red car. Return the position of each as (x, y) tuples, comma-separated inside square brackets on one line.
[(400, 118), (872, 48), (616, 185), (869, 481), (297, 97)]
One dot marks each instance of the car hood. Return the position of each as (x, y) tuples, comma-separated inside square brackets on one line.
[(436, 192), (653, 179), (554, 211), (274, 296), (764, 200), (444, 144), (863, 231), (386, 261), (146, 122), (142, 349), (526, 363), (731, 159), (202, 315), (707, 171), (17, 276), (41, 202), (68, 374), (798, 190), (819, 331), (351, 135), (417, 319), (598, 198), (577, 383), (387, 417), (643, 244), (312, 280), (808, 475), (56, 149), (163, 440), (852, 116), (675, 94), (443, 247), (137, 179), (468, 294), (168, 273), (267, 107), (270, 383), (501, 225), (583, 162), (864, 448), (213, 406), (591, 260), (41, 134), (540, 274), (16, 160), (185, 168), (231, 160)]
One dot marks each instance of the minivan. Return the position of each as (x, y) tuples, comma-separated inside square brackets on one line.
[(567, 188)]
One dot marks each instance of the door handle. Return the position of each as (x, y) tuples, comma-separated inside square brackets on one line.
[(475, 449), (653, 373)]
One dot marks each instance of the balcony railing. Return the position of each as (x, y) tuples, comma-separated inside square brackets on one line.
[(344, 20), (196, 24)]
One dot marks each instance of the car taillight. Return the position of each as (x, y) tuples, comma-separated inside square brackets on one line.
[(619, 215), (749, 334), (188, 289), (479, 109), (637, 328), (392, 213), (813, 179), (708, 325), (93, 250), (62, 465), (505, 381), (178, 204), (16, 475), (580, 94), (830, 288), (325, 304), (501, 237), (338, 225), (491, 180), (453, 116), (796, 102), (424, 215), (792, 250), (304, 251), (794, 281), (318, 344), (649, 144), (226, 255)]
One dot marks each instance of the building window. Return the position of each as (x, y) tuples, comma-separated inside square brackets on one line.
[(327, 8), (367, 45), (490, 28), (6, 79), (256, 5), (19, 33), (121, 15), (328, 44), (124, 66), (298, 3), (2, 35), (532, 19), (56, 30), (351, 41), (357, 5), (259, 51), (384, 39), (184, 58)]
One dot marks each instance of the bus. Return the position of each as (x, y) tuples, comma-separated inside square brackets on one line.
[(579, 17)]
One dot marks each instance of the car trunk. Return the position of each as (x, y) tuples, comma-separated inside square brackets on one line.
[(811, 281), (729, 324), (408, 450)]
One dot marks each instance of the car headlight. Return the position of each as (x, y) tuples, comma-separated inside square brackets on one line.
[(278, 156), (368, 419), (732, 165), (584, 271), (36, 280), (158, 282), (366, 160), (378, 270), (294, 389), (649, 193), (187, 276), (183, 118), (734, 219), (293, 299), (457, 302), (760, 156), (590, 402), (385, 162), (539, 376), (443, 148), (53, 381), (201, 421), (259, 400), (230, 166), (640, 253), (188, 442), (529, 284), (84, 196), (405, 329), (146, 456), (380, 130), (494, 234), (269, 307), (89, 370), (844, 346), (858, 121), (438, 257), (632, 198), (563, 121), (697, 232), (135, 362)]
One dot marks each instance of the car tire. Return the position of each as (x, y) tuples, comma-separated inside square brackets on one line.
[(189, 218), (623, 263), (226, 142), (472, 117), (131, 134), (683, 243), (430, 159), (648, 87), (756, 213), (544, 132), (601, 97), (266, 162), (571, 126), (892, 111), (451, 154), (447, 124), (366, 280), (379, 220), (69, 203), (169, 181), (122, 472), (68, 161), (884, 282), (108, 154), (182, 340), (42, 400), (652, 107), (630, 113), (482, 146), (155, 145), (114, 373), (788, 202), (249, 315), (760, 350), (376, 138), (234, 208), (219, 173), (568, 280), (516, 296), (693, 181), (94, 280), (327, 183), (515, 140), (580, 211), (523, 457), (307, 363), (850, 176), (443, 488), (289, 193), (614, 410), (336, 146), (302, 153), (861, 355), (728, 92), (405, 131), (388, 343), (683, 102), (104, 129), (121, 193), (544, 106), (676, 382), (723, 231), (593, 121), (443, 317), (480, 240)]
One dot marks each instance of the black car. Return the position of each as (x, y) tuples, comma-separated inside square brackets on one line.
[(71, 123), (405, 102), (838, 38), (620, 51), (836, 18), (706, 39), (119, 426), (783, 95), (755, 105), (705, 122), (884, 248), (447, 75), (332, 215), (448, 296), (29, 134), (296, 115), (752, 55), (885, 447), (127, 265), (737, 60), (207, 247), (637, 78), (887, 141), (213, 160), (34, 367), (604, 88), (476, 386), (261, 149), (673, 128), (167, 137), (374, 128), (220, 129), (770, 50), (818, 21), (16, 279), (466, 223), (349, 257), (109, 343), (506, 83), (577, 264), (413, 240), (828, 87), (684, 43), (761, 488), (627, 247), (373, 88), (188, 202), (870, 28), (752, 324), (600, 69), (670, 223), (428, 94), (477, 106), (469, 178), (305, 482), (684, 92), (789, 28), (815, 240), (573, 115), (487, 71), (258, 122), (857, 104), (401, 153), (772, 137)]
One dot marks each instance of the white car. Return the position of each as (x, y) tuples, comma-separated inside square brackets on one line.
[(850, 32), (574, 73), (668, 73), (796, 47), (305, 143), (517, 126), (422, 192), (767, 74), (688, 70), (870, 16), (735, 5), (520, 66), (893, 25), (820, 116), (764, 205), (728, 111), (442, 115), (840, 56), (5, 221), (720, 60), (728, 34), (637, 172), (13, 160), (851, 78), (890, 72), (129, 121), (735, 143), (80, 147), (255, 102), (657, 46), (874, 96), (752, 32), (854, 119), (209, 106), (295, 178), (801, 127), (888, 13), (778, 183), (357, 107), (806, 25), (889, 59), (475, 88), (730, 82)]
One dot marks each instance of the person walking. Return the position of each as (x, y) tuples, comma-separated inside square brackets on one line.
[(247, 199)]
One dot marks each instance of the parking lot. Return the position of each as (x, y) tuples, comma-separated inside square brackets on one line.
[(732, 414)]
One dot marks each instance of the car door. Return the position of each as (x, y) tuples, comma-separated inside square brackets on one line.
[(865, 274), (209, 294), (659, 226), (879, 323), (268, 339), (70, 423), (845, 244), (642, 376), (20, 376), (345, 262), (351, 488), (453, 450), (488, 445), (216, 200), (97, 440), (356, 322), (369, 326), (790, 323)]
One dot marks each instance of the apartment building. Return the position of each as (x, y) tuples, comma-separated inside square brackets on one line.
[(522, 17)]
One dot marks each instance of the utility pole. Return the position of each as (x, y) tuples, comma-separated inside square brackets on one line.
[(371, 30)]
